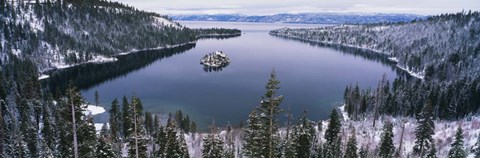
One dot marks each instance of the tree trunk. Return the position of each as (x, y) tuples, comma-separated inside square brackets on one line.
[(271, 133), (135, 129), (74, 129), (401, 140), (1, 126)]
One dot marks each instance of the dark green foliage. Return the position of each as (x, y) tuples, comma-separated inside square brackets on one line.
[(212, 146), (251, 143), (126, 117), (476, 149), (424, 132), (115, 121), (137, 141), (269, 109), (331, 148), (302, 138), (105, 144), (351, 151), (456, 148), (386, 148)]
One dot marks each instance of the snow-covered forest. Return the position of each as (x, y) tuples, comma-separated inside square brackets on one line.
[(433, 114), (442, 51)]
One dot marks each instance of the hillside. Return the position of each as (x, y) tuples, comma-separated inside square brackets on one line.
[(442, 51), (61, 33), (304, 18)]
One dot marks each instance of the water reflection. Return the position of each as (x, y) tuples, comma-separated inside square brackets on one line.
[(89, 75)]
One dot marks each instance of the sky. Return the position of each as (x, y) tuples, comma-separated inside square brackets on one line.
[(270, 7)]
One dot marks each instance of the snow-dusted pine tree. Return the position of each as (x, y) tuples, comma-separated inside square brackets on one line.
[(212, 145), (386, 148), (351, 151), (251, 144), (105, 144), (424, 132), (476, 148), (331, 148), (456, 150), (269, 109)]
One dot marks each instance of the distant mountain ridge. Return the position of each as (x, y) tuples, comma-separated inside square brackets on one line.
[(306, 18)]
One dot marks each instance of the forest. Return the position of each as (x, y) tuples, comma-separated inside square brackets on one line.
[(431, 115)]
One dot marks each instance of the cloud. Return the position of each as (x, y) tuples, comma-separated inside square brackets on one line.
[(268, 7)]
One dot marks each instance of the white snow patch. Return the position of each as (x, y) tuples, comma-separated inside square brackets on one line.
[(412, 73), (43, 76), (93, 110)]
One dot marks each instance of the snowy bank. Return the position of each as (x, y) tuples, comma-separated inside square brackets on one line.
[(94, 110)]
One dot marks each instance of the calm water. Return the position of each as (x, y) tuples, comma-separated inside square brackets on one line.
[(312, 77)]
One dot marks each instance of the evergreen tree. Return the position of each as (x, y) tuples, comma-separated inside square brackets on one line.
[(173, 147), (424, 132), (137, 142), (331, 147), (386, 148), (432, 153), (126, 117), (251, 142), (115, 125), (269, 109), (456, 148), (212, 145), (160, 140), (363, 152), (351, 151), (104, 148), (302, 138), (476, 149), (87, 139)]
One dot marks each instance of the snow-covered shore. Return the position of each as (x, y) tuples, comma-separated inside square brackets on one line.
[(393, 59), (102, 59)]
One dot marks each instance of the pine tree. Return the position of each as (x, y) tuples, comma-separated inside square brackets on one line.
[(173, 146), (73, 108), (115, 125), (351, 151), (269, 109), (302, 139), (104, 148), (386, 148), (87, 139), (126, 117), (160, 140), (137, 142), (331, 146), (251, 142), (424, 132), (476, 149), (212, 145), (432, 153), (363, 152), (456, 149)]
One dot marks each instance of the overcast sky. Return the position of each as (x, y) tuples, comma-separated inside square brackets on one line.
[(268, 7)]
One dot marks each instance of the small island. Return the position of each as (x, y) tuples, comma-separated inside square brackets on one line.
[(215, 61)]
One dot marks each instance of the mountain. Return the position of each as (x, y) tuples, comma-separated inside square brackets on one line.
[(306, 18), (61, 33)]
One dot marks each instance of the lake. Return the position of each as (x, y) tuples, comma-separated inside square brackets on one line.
[(312, 77)]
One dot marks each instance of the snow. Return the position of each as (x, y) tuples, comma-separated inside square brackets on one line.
[(164, 22), (94, 110), (156, 48), (394, 59), (414, 74), (43, 76)]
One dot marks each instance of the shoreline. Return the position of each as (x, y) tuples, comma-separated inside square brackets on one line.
[(43, 75), (392, 59)]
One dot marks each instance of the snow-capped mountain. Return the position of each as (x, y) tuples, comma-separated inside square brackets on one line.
[(307, 18)]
